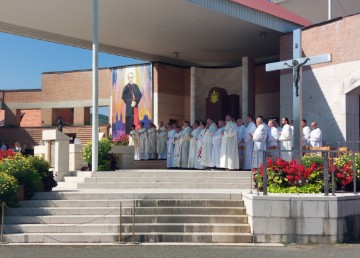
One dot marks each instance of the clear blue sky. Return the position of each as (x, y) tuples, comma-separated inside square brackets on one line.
[(22, 60)]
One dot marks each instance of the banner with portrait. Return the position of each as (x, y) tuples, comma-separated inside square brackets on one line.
[(131, 98)]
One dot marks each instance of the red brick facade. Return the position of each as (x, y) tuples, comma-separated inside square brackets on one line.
[(340, 37)]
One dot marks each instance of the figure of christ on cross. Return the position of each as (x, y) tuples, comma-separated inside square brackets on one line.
[(296, 64)]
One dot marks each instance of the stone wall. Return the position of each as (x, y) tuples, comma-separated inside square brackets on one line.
[(304, 218)]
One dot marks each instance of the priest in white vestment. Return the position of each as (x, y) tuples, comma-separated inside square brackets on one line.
[(315, 136), (177, 148), (134, 141), (285, 140), (161, 141), (193, 155), (217, 137), (305, 133), (142, 141), (259, 138), (240, 135), (206, 158), (151, 142), (229, 157), (199, 143), (185, 144), (193, 150), (170, 146), (249, 144), (273, 140)]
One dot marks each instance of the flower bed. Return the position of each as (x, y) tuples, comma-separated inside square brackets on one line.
[(28, 172), (307, 177)]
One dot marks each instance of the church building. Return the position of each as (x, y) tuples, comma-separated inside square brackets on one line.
[(204, 59)]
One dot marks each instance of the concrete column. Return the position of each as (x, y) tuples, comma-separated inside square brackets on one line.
[(46, 117), (12, 117), (248, 87), (47, 151), (192, 94), (79, 116)]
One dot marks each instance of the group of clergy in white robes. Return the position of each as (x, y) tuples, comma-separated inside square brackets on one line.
[(205, 145), (259, 137), (149, 143)]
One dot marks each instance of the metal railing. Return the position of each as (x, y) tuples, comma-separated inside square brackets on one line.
[(328, 157)]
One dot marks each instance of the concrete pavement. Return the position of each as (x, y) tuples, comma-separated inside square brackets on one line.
[(159, 251)]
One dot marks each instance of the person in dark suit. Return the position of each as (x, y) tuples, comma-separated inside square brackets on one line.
[(131, 96)]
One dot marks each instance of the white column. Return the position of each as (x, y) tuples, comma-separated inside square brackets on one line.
[(95, 89), (329, 9), (156, 108), (192, 95)]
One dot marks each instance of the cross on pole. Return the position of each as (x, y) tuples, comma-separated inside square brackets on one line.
[(296, 64)]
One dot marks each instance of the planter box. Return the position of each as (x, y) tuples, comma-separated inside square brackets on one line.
[(124, 156)]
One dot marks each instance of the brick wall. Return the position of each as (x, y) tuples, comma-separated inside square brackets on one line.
[(339, 37), (76, 85), (30, 118)]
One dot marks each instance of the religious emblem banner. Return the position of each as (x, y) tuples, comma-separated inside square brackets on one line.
[(131, 94)]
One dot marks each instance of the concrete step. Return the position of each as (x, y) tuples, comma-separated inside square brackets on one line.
[(127, 228), (139, 237), (167, 179), (113, 219), (43, 211), (137, 193), (130, 203), (170, 173), (166, 185)]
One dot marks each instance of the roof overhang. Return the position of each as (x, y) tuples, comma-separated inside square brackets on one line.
[(211, 33)]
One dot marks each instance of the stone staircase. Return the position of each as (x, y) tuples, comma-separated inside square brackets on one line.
[(170, 206)]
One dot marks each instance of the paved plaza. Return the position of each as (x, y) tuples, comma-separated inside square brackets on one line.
[(149, 251)]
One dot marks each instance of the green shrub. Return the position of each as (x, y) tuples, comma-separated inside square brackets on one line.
[(104, 147), (20, 167), (42, 167), (9, 187)]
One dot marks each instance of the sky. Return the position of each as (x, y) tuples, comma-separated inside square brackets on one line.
[(22, 60)]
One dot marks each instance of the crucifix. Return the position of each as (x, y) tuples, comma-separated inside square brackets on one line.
[(296, 64)]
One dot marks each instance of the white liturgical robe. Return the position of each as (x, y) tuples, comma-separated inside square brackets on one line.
[(285, 142), (207, 146), (151, 143), (316, 138), (161, 143), (134, 141), (185, 145), (193, 150), (229, 157), (177, 150), (273, 141), (142, 143), (170, 148), (259, 138), (199, 149), (305, 136), (250, 129), (216, 147)]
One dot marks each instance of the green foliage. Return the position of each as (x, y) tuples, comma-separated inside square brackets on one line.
[(9, 187), (104, 147), (21, 168), (310, 158), (307, 188), (42, 167)]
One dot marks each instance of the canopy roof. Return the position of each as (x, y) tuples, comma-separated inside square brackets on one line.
[(211, 33)]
